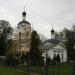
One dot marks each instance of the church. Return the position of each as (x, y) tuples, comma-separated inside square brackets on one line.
[(22, 35), (22, 41), (54, 47)]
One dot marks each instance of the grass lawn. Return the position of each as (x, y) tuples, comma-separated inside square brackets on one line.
[(5, 71), (58, 69)]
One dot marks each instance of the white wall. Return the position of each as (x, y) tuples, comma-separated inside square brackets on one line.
[(59, 50)]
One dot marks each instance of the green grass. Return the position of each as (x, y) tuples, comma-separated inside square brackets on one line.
[(58, 69), (5, 71)]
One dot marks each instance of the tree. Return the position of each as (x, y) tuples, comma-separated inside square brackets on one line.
[(2, 45), (11, 46), (5, 35), (69, 43), (49, 60), (54, 59), (35, 53), (58, 58)]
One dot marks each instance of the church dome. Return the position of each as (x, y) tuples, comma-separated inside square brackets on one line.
[(52, 31), (24, 13), (24, 21)]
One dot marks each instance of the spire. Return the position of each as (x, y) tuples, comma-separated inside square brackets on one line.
[(24, 14)]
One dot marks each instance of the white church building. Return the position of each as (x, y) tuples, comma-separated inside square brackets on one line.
[(53, 47)]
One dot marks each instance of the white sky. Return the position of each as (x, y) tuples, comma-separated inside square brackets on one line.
[(40, 13)]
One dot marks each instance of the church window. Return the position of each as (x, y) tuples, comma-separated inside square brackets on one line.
[(62, 56)]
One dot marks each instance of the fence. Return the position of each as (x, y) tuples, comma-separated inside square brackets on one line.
[(44, 68), (47, 69)]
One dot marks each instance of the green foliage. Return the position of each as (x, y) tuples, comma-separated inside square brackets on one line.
[(49, 60), (2, 45), (7, 32), (53, 69), (56, 58), (5, 71), (4, 37), (35, 53), (9, 44), (69, 44)]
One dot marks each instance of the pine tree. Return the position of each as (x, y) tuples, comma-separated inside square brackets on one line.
[(35, 53), (58, 58)]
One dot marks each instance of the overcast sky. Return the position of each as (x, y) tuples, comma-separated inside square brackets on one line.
[(40, 13)]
